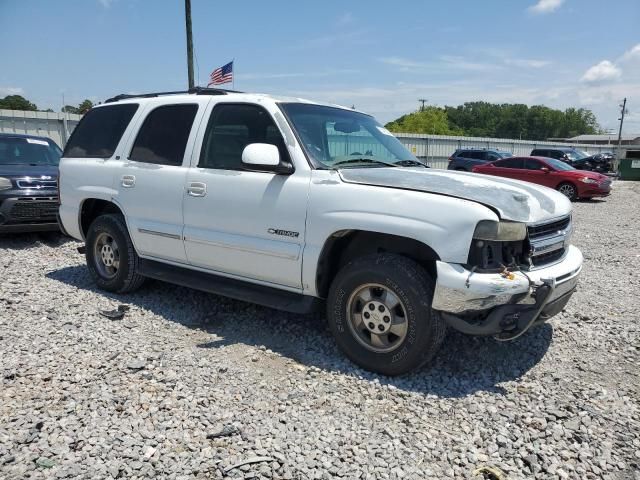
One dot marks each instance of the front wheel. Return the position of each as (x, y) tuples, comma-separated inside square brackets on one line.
[(111, 258), (379, 311), (568, 190)]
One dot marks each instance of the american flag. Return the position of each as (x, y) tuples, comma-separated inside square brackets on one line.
[(223, 74)]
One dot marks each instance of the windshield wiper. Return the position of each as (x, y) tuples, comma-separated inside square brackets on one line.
[(363, 160), (411, 163)]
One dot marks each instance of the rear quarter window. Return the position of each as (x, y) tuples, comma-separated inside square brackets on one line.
[(99, 132)]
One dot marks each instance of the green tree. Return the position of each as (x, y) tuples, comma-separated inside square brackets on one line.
[(70, 109), (17, 102), (431, 120), (85, 106)]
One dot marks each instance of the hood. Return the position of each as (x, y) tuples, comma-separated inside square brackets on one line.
[(511, 199), (20, 171)]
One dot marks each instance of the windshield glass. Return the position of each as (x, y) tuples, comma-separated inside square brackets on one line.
[(505, 154), (28, 151), (576, 154), (333, 136), (558, 165)]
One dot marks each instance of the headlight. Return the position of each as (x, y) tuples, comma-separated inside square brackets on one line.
[(5, 183), (500, 231), (588, 180)]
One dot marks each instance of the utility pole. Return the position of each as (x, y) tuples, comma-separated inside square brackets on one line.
[(624, 110), (64, 123), (422, 101), (187, 17)]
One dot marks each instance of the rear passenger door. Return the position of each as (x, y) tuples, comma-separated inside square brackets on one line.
[(150, 183), (508, 167)]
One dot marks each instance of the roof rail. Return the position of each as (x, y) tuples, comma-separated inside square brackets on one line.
[(194, 90)]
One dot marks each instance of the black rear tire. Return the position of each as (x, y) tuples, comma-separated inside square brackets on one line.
[(413, 287), (125, 277)]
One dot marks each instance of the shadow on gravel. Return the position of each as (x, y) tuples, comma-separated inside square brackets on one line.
[(465, 365), (24, 241)]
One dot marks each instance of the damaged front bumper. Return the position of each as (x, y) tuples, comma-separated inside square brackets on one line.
[(504, 305)]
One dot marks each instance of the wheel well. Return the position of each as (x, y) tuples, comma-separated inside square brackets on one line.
[(346, 245), (93, 208)]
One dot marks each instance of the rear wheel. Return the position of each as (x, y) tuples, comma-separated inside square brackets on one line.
[(569, 190), (111, 258), (379, 311)]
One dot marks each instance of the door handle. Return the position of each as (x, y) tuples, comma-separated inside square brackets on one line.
[(197, 189), (128, 181)]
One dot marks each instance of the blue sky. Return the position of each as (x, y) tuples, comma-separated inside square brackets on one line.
[(380, 56)]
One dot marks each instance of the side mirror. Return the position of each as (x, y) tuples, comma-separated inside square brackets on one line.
[(264, 157), (545, 169)]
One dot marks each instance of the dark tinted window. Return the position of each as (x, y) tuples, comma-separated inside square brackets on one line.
[(231, 128), (509, 163), (163, 136), (99, 132), (473, 154), (492, 156), (28, 151), (532, 164), (539, 153)]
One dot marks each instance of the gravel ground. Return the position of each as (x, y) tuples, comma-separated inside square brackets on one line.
[(82, 396)]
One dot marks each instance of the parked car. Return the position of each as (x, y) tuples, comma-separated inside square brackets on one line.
[(566, 154), (467, 158), (272, 200), (28, 183), (600, 162), (550, 172)]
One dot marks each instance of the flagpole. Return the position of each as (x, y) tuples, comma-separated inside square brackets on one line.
[(233, 76)]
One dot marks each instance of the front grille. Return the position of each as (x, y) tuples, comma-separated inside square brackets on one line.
[(546, 258), (548, 241), (548, 229), (36, 184), (29, 209)]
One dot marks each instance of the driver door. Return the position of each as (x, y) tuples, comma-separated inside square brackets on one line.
[(240, 223)]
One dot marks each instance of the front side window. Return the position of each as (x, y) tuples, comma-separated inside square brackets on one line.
[(231, 128), (512, 162), (99, 132), (533, 164), (334, 137), (162, 139), (28, 151)]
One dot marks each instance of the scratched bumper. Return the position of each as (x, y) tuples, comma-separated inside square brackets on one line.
[(459, 291)]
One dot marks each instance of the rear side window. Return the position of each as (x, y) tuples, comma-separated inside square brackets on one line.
[(162, 139), (99, 132), (539, 153), (465, 154), (509, 163)]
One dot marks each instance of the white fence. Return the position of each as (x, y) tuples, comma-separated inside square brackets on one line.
[(436, 149), (45, 124)]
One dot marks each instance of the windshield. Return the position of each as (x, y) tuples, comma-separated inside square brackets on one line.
[(28, 151), (505, 154), (576, 154), (334, 136), (558, 165)]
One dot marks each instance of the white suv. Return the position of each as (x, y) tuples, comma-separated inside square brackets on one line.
[(294, 204)]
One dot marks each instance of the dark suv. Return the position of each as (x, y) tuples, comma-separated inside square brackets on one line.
[(467, 158), (28, 183), (566, 154)]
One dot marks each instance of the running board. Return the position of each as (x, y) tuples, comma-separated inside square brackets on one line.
[(229, 287)]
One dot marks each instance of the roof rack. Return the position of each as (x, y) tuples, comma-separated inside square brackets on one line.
[(194, 90)]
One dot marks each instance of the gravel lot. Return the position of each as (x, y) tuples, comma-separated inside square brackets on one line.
[(82, 396)]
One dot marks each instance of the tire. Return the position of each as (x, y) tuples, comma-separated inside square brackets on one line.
[(569, 190), (121, 276), (405, 348)]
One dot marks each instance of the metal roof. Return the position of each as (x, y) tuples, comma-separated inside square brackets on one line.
[(603, 138)]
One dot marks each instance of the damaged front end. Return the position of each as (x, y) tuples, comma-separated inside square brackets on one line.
[(517, 275)]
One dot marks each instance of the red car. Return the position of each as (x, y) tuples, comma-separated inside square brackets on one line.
[(550, 173)]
